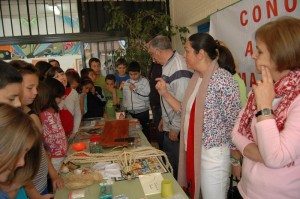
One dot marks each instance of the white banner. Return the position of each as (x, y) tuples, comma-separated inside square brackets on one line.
[(236, 25)]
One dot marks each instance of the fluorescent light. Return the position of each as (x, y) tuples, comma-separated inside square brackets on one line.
[(55, 8)]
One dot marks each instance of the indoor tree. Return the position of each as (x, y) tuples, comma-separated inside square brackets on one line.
[(139, 28)]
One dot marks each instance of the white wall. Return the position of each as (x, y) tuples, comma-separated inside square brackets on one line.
[(191, 13)]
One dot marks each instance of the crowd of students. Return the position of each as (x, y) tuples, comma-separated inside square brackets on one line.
[(204, 124), (57, 101)]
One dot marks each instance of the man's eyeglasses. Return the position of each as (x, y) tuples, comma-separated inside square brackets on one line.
[(152, 52)]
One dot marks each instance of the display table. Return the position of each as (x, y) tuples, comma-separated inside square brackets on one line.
[(130, 188)]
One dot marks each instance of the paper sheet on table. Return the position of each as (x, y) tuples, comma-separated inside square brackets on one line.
[(108, 170), (151, 183), (88, 124)]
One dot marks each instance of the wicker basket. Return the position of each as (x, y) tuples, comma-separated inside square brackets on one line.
[(78, 181)]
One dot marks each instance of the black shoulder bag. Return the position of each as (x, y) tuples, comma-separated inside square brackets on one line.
[(233, 192)]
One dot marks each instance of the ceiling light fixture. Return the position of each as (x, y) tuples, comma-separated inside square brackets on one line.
[(55, 8)]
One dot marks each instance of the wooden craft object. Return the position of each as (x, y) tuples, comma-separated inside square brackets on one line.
[(114, 129)]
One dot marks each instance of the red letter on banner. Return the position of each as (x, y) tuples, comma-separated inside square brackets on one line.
[(256, 17), (272, 8), (243, 22), (243, 77), (249, 49), (287, 8), (252, 79)]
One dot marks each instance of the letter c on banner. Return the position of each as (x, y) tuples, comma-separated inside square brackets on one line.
[(243, 22)]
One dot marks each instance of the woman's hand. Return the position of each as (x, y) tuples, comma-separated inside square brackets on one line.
[(251, 151), (264, 90), (236, 171)]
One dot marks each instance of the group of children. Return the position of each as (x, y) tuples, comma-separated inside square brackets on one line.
[(102, 96), (99, 95), (22, 81), (57, 101)]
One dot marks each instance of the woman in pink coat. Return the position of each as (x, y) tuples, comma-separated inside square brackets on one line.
[(267, 132)]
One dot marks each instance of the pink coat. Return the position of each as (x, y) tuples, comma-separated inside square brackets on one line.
[(273, 179)]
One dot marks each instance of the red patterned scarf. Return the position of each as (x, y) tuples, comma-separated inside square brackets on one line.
[(287, 88)]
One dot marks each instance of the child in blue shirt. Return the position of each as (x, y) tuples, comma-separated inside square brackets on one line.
[(121, 76)]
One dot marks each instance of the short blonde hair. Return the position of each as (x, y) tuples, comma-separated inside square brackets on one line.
[(17, 129), (282, 38)]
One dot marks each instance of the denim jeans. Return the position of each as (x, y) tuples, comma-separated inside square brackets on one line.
[(171, 148), (215, 170), (144, 118)]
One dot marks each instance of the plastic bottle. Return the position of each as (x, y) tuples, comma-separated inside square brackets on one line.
[(95, 145)]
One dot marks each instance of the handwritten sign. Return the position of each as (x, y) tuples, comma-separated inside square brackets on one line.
[(151, 183)]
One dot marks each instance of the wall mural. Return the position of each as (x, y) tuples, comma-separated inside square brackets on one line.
[(39, 50), (70, 21)]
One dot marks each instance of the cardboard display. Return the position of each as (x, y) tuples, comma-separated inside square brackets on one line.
[(114, 129)]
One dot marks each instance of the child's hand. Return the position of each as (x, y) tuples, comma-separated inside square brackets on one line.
[(93, 90), (132, 86), (105, 116), (72, 136), (122, 85), (57, 183), (85, 90)]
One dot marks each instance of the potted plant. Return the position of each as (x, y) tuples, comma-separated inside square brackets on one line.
[(139, 27)]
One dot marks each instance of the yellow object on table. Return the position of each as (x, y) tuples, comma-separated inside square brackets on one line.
[(166, 188)]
